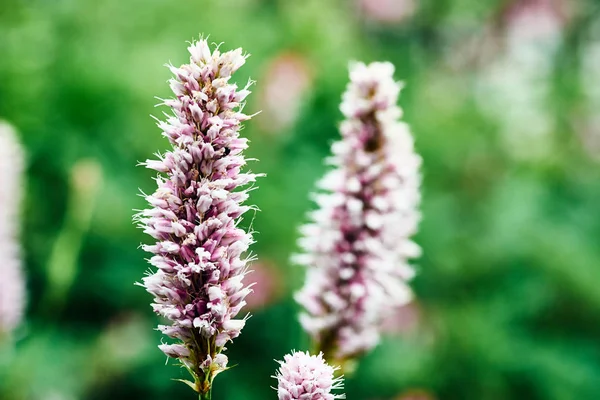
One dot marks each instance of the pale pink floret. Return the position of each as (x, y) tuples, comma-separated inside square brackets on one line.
[(305, 377), (357, 245), (195, 212), (12, 283)]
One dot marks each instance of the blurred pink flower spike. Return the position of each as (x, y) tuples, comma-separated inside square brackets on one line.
[(302, 377), (12, 283), (194, 214), (357, 246), (388, 11), (533, 20), (268, 284), (402, 319), (288, 77)]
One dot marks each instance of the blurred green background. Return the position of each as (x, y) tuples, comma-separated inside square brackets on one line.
[(503, 99)]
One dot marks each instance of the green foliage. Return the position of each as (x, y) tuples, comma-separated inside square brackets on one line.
[(507, 290)]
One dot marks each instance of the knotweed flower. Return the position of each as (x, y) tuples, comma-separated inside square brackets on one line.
[(12, 284), (357, 246), (305, 377), (195, 213)]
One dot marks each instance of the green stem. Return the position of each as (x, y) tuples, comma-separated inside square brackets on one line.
[(207, 395)]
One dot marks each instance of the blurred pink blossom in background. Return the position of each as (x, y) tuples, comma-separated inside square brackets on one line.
[(535, 19), (267, 285), (388, 11), (402, 320), (286, 80), (518, 80), (12, 283)]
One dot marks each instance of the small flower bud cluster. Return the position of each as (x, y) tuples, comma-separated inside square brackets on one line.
[(305, 377), (357, 246), (12, 283), (199, 250)]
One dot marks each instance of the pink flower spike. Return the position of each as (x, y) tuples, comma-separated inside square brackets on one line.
[(357, 246), (12, 283), (305, 377), (194, 214)]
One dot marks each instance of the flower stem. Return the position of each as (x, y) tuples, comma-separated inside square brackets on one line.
[(207, 395)]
